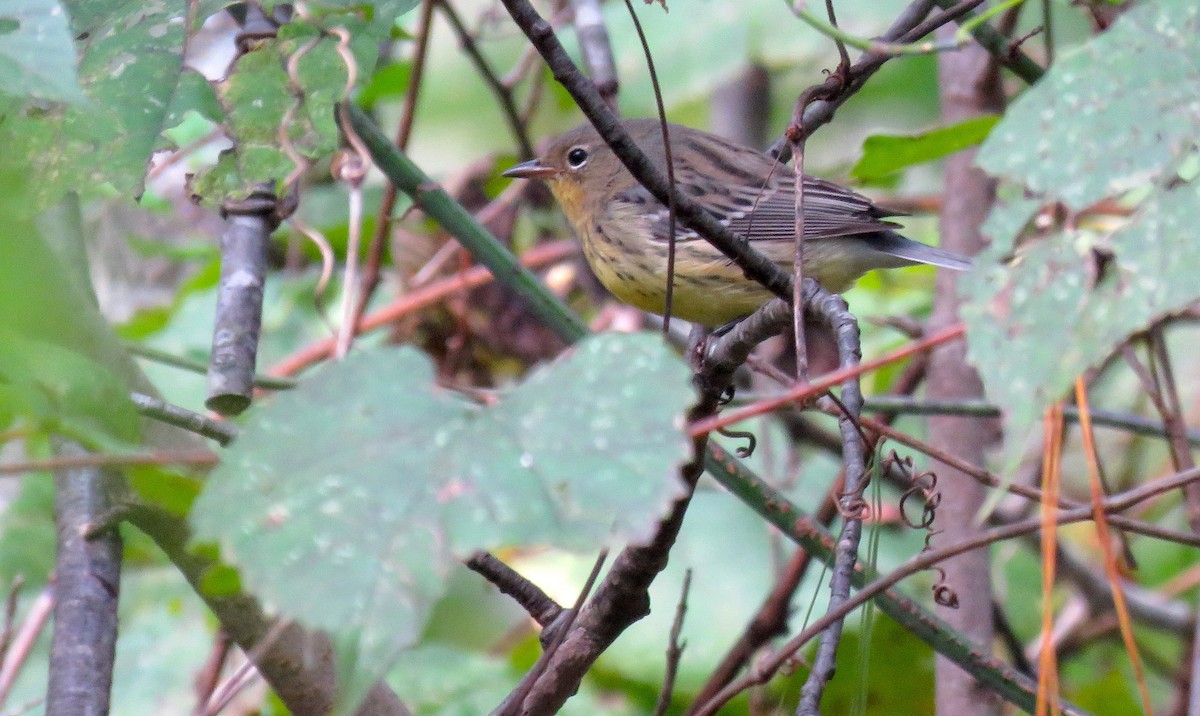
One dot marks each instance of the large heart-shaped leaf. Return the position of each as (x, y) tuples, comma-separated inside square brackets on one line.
[(1112, 115), (344, 501), (1118, 114)]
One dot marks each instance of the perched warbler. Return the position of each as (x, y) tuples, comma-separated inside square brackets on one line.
[(625, 230)]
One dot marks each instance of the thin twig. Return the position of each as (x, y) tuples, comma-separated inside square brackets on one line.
[(160, 410), (994, 42), (22, 644), (10, 616), (503, 94), (1111, 567), (820, 385), (210, 675), (1048, 31), (903, 405), (1154, 608), (1172, 417), (247, 672), (1030, 493), (674, 649), (539, 605), (420, 299), (833, 309), (1012, 643), (267, 382), (596, 49), (350, 173), (871, 46), (383, 219), (669, 299), (798, 134), (1165, 393), (839, 87), (844, 57), (26, 707), (798, 256), (1048, 688), (515, 702), (770, 619), (199, 458)]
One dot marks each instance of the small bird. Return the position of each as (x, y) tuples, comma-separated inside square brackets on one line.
[(625, 230)]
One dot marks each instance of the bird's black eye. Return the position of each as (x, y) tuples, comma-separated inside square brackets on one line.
[(577, 157)]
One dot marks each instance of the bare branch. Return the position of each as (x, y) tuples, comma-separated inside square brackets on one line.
[(596, 49), (159, 409), (248, 227), (540, 607), (87, 582)]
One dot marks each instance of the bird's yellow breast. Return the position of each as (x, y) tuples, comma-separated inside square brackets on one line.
[(616, 239)]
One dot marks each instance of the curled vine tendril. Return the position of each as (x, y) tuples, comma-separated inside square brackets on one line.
[(751, 441), (923, 489)]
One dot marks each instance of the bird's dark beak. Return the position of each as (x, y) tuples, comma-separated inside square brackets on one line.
[(532, 169)]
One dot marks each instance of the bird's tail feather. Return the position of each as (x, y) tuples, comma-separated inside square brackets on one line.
[(893, 244)]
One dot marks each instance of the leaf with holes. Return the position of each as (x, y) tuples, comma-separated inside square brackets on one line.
[(1047, 301), (260, 98), (130, 63), (1065, 302), (1111, 116)]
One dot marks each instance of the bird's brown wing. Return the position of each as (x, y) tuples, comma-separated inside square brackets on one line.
[(765, 209)]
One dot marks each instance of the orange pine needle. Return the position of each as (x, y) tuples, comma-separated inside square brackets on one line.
[(1102, 533), (1047, 696)]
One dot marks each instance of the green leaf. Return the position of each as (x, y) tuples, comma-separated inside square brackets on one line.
[(172, 491), (27, 540), (37, 58), (1036, 323), (884, 154), (258, 97), (221, 581), (63, 369), (388, 82), (1062, 298), (344, 501), (1113, 115), (61, 391), (193, 94), (131, 58)]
